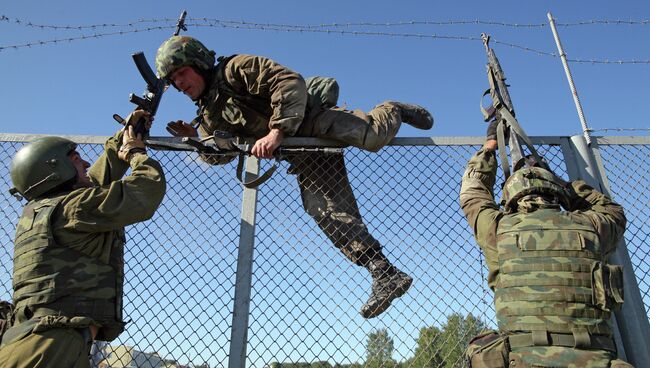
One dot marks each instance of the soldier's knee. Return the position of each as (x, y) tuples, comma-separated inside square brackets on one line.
[(374, 143), (314, 206)]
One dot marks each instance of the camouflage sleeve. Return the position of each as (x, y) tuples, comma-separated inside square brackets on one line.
[(108, 166), (477, 202), (120, 203), (606, 215), (264, 77)]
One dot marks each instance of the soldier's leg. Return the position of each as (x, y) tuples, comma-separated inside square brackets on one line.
[(370, 131), (327, 196), (55, 348)]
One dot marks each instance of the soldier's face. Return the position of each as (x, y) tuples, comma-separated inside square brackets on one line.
[(82, 170), (188, 81)]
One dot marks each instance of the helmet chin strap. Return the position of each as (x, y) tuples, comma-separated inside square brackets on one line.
[(52, 176)]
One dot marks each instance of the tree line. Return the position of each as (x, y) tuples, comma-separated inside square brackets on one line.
[(435, 347)]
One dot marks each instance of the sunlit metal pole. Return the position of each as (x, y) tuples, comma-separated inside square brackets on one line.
[(574, 92)]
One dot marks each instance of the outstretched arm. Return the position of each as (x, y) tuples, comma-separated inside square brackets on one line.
[(606, 215), (477, 202)]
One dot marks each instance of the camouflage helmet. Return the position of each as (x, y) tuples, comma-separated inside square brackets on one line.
[(42, 165), (180, 51), (532, 180)]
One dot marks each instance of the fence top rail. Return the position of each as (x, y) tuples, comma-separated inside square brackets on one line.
[(317, 142)]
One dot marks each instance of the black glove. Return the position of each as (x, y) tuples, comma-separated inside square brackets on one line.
[(492, 130)]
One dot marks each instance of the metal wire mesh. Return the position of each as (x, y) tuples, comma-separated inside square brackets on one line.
[(628, 169), (305, 299)]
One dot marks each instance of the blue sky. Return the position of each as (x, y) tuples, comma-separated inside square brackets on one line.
[(75, 87)]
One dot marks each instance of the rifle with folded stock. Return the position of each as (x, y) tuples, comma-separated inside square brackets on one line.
[(225, 144), (154, 89), (503, 112)]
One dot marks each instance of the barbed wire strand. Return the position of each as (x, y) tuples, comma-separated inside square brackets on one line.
[(83, 37), (620, 130), (296, 29), (4, 18), (327, 25)]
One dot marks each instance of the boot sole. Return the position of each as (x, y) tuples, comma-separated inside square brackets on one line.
[(396, 293)]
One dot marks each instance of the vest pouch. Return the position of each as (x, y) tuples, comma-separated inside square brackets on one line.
[(488, 350), (607, 286), (6, 312), (618, 363)]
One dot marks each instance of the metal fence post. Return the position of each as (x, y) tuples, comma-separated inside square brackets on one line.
[(631, 321), (243, 283)]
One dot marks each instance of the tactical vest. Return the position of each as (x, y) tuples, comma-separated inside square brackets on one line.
[(550, 275), (53, 279), (223, 108)]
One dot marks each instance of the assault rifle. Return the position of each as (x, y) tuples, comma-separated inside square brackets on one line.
[(155, 88), (225, 144), (503, 112)]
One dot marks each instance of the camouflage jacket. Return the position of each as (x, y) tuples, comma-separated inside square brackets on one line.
[(484, 215), (90, 222), (263, 95)]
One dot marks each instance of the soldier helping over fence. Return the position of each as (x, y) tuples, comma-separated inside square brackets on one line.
[(254, 97), (69, 246)]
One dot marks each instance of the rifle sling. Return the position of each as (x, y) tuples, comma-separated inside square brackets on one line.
[(501, 141), (257, 181), (508, 121)]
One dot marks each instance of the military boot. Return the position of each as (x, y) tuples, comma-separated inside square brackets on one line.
[(414, 115), (388, 284)]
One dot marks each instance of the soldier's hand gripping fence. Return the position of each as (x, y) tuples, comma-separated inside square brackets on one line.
[(226, 144), (503, 112), (155, 88)]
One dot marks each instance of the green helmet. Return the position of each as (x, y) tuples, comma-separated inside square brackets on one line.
[(42, 165), (532, 180), (180, 51)]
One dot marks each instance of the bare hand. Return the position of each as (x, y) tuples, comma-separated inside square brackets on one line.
[(490, 145), (265, 146), (180, 128)]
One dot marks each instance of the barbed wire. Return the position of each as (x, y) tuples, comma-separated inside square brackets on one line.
[(83, 37), (336, 25), (620, 130), (437, 23), (213, 22), (4, 18)]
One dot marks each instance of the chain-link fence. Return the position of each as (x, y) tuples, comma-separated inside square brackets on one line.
[(181, 285)]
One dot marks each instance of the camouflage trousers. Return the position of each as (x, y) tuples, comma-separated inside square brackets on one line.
[(328, 198), (370, 131), (53, 348)]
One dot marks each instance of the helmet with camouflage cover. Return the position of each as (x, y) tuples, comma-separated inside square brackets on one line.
[(180, 51), (533, 180), (42, 165)]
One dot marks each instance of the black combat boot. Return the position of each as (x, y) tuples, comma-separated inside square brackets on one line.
[(414, 115), (388, 284)]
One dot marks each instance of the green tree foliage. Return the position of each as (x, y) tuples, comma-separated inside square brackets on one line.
[(435, 347), (427, 350), (379, 349), (444, 348)]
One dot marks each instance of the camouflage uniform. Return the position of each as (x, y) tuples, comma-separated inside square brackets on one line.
[(553, 287), (326, 192), (249, 96), (69, 262)]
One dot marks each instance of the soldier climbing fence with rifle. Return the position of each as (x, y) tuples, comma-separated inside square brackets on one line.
[(554, 289)]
